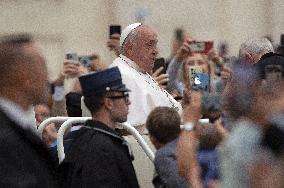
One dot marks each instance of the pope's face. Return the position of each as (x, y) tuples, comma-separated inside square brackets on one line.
[(144, 51)]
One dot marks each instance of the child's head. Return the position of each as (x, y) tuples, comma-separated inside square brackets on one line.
[(163, 124)]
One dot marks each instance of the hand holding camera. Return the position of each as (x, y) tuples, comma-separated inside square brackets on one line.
[(159, 72), (114, 38), (226, 74), (113, 43), (191, 46), (71, 65), (71, 68), (184, 51), (214, 57), (161, 79)]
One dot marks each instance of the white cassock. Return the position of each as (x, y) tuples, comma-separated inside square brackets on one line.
[(145, 92)]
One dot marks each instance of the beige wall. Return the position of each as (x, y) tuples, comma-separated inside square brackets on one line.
[(277, 19), (82, 26)]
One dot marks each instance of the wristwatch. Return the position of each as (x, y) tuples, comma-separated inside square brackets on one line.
[(188, 126)]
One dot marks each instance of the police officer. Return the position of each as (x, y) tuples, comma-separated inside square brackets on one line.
[(98, 156)]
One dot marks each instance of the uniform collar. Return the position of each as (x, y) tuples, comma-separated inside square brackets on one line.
[(103, 128)]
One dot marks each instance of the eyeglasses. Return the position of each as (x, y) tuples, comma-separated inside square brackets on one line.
[(125, 96)]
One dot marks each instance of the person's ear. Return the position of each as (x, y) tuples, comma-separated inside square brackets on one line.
[(129, 49), (248, 57), (155, 142), (108, 103)]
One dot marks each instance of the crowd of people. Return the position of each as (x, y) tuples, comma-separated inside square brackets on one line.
[(214, 120)]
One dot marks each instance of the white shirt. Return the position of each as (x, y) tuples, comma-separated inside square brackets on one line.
[(25, 119), (145, 92)]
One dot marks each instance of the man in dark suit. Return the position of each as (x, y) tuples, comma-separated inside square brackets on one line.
[(24, 159), (98, 156)]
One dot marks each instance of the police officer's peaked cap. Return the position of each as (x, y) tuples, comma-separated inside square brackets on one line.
[(102, 81)]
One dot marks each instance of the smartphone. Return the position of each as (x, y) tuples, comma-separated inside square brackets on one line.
[(85, 61), (194, 70), (201, 82), (114, 29), (71, 56), (160, 62), (179, 35), (201, 46)]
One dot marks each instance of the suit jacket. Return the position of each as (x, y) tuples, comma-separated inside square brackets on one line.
[(24, 159), (98, 157), (166, 166)]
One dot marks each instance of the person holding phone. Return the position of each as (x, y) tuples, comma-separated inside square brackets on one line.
[(139, 51), (187, 64), (250, 51)]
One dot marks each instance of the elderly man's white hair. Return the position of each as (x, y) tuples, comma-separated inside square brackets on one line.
[(255, 46)]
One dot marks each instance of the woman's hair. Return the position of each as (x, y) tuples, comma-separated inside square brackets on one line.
[(184, 74)]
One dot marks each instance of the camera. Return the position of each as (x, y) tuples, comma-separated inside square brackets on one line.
[(160, 62), (201, 46), (71, 56), (85, 61), (114, 29)]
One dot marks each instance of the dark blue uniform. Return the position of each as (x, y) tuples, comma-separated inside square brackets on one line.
[(24, 159), (98, 157)]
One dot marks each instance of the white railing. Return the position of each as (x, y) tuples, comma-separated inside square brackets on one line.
[(68, 121), (67, 124), (143, 144), (46, 122)]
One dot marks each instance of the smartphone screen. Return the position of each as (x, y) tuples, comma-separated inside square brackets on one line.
[(85, 61), (114, 29), (160, 62), (201, 46), (197, 47), (194, 70), (201, 82)]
